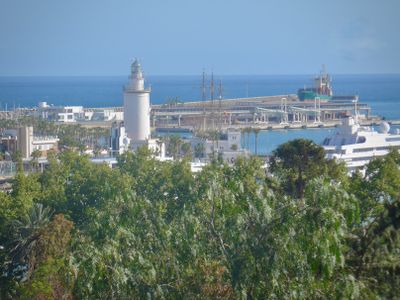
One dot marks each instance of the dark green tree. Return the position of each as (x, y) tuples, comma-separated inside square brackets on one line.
[(299, 161)]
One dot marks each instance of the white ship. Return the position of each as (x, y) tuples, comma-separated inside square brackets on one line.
[(357, 145)]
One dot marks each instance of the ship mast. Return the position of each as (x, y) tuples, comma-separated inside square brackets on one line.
[(212, 99), (203, 97), (220, 105)]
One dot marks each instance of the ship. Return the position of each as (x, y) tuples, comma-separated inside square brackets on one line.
[(322, 90), (357, 145)]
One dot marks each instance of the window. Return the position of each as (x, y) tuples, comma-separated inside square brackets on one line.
[(363, 150), (361, 139), (393, 139), (360, 158), (381, 148)]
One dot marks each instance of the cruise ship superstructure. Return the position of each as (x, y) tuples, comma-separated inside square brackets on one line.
[(357, 145)]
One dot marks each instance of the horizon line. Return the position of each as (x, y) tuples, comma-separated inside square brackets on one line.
[(215, 74)]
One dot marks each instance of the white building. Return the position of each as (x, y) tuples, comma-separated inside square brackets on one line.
[(27, 142), (119, 142), (70, 114), (229, 146), (104, 114), (23, 140), (137, 106)]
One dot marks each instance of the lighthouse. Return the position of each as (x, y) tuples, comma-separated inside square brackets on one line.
[(137, 106)]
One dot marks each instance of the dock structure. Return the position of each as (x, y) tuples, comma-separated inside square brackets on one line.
[(264, 112)]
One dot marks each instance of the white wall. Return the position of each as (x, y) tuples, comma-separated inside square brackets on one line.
[(137, 114)]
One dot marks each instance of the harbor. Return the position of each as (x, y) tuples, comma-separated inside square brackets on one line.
[(214, 125), (264, 112), (313, 107)]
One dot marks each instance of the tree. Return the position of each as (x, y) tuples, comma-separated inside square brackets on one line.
[(298, 161), (36, 154), (23, 250), (151, 229), (25, 190), (96, 151), (199, 150), (187, 150), (373, 254), (214, 135), (373, 248), (52, 276), (174, 144)]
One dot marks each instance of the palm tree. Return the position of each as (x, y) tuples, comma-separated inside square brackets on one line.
[(174, 145), (199, 150), (214, 135), (24, 246), (187, 150), (96, 151), (36, 154)]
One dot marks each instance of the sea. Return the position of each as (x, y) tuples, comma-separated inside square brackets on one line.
[(380, 91)]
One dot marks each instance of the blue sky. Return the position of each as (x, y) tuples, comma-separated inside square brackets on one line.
[(99, 37)]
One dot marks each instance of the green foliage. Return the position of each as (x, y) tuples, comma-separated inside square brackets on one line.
[(169, 182), (24, 245), (76, 187), (8, 212), (173, 145), (154, 230), (374, 252), (41, 284), (26, 189), (199, 150), (49, 279), (299, 161), (186, 150)]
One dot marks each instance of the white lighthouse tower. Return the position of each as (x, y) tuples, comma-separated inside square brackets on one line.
[(137, 106)]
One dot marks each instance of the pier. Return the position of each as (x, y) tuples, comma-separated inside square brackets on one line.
[(268, 112), (265, 112)]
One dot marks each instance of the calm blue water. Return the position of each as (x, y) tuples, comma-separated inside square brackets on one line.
[(269, 140), (381, 92)]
